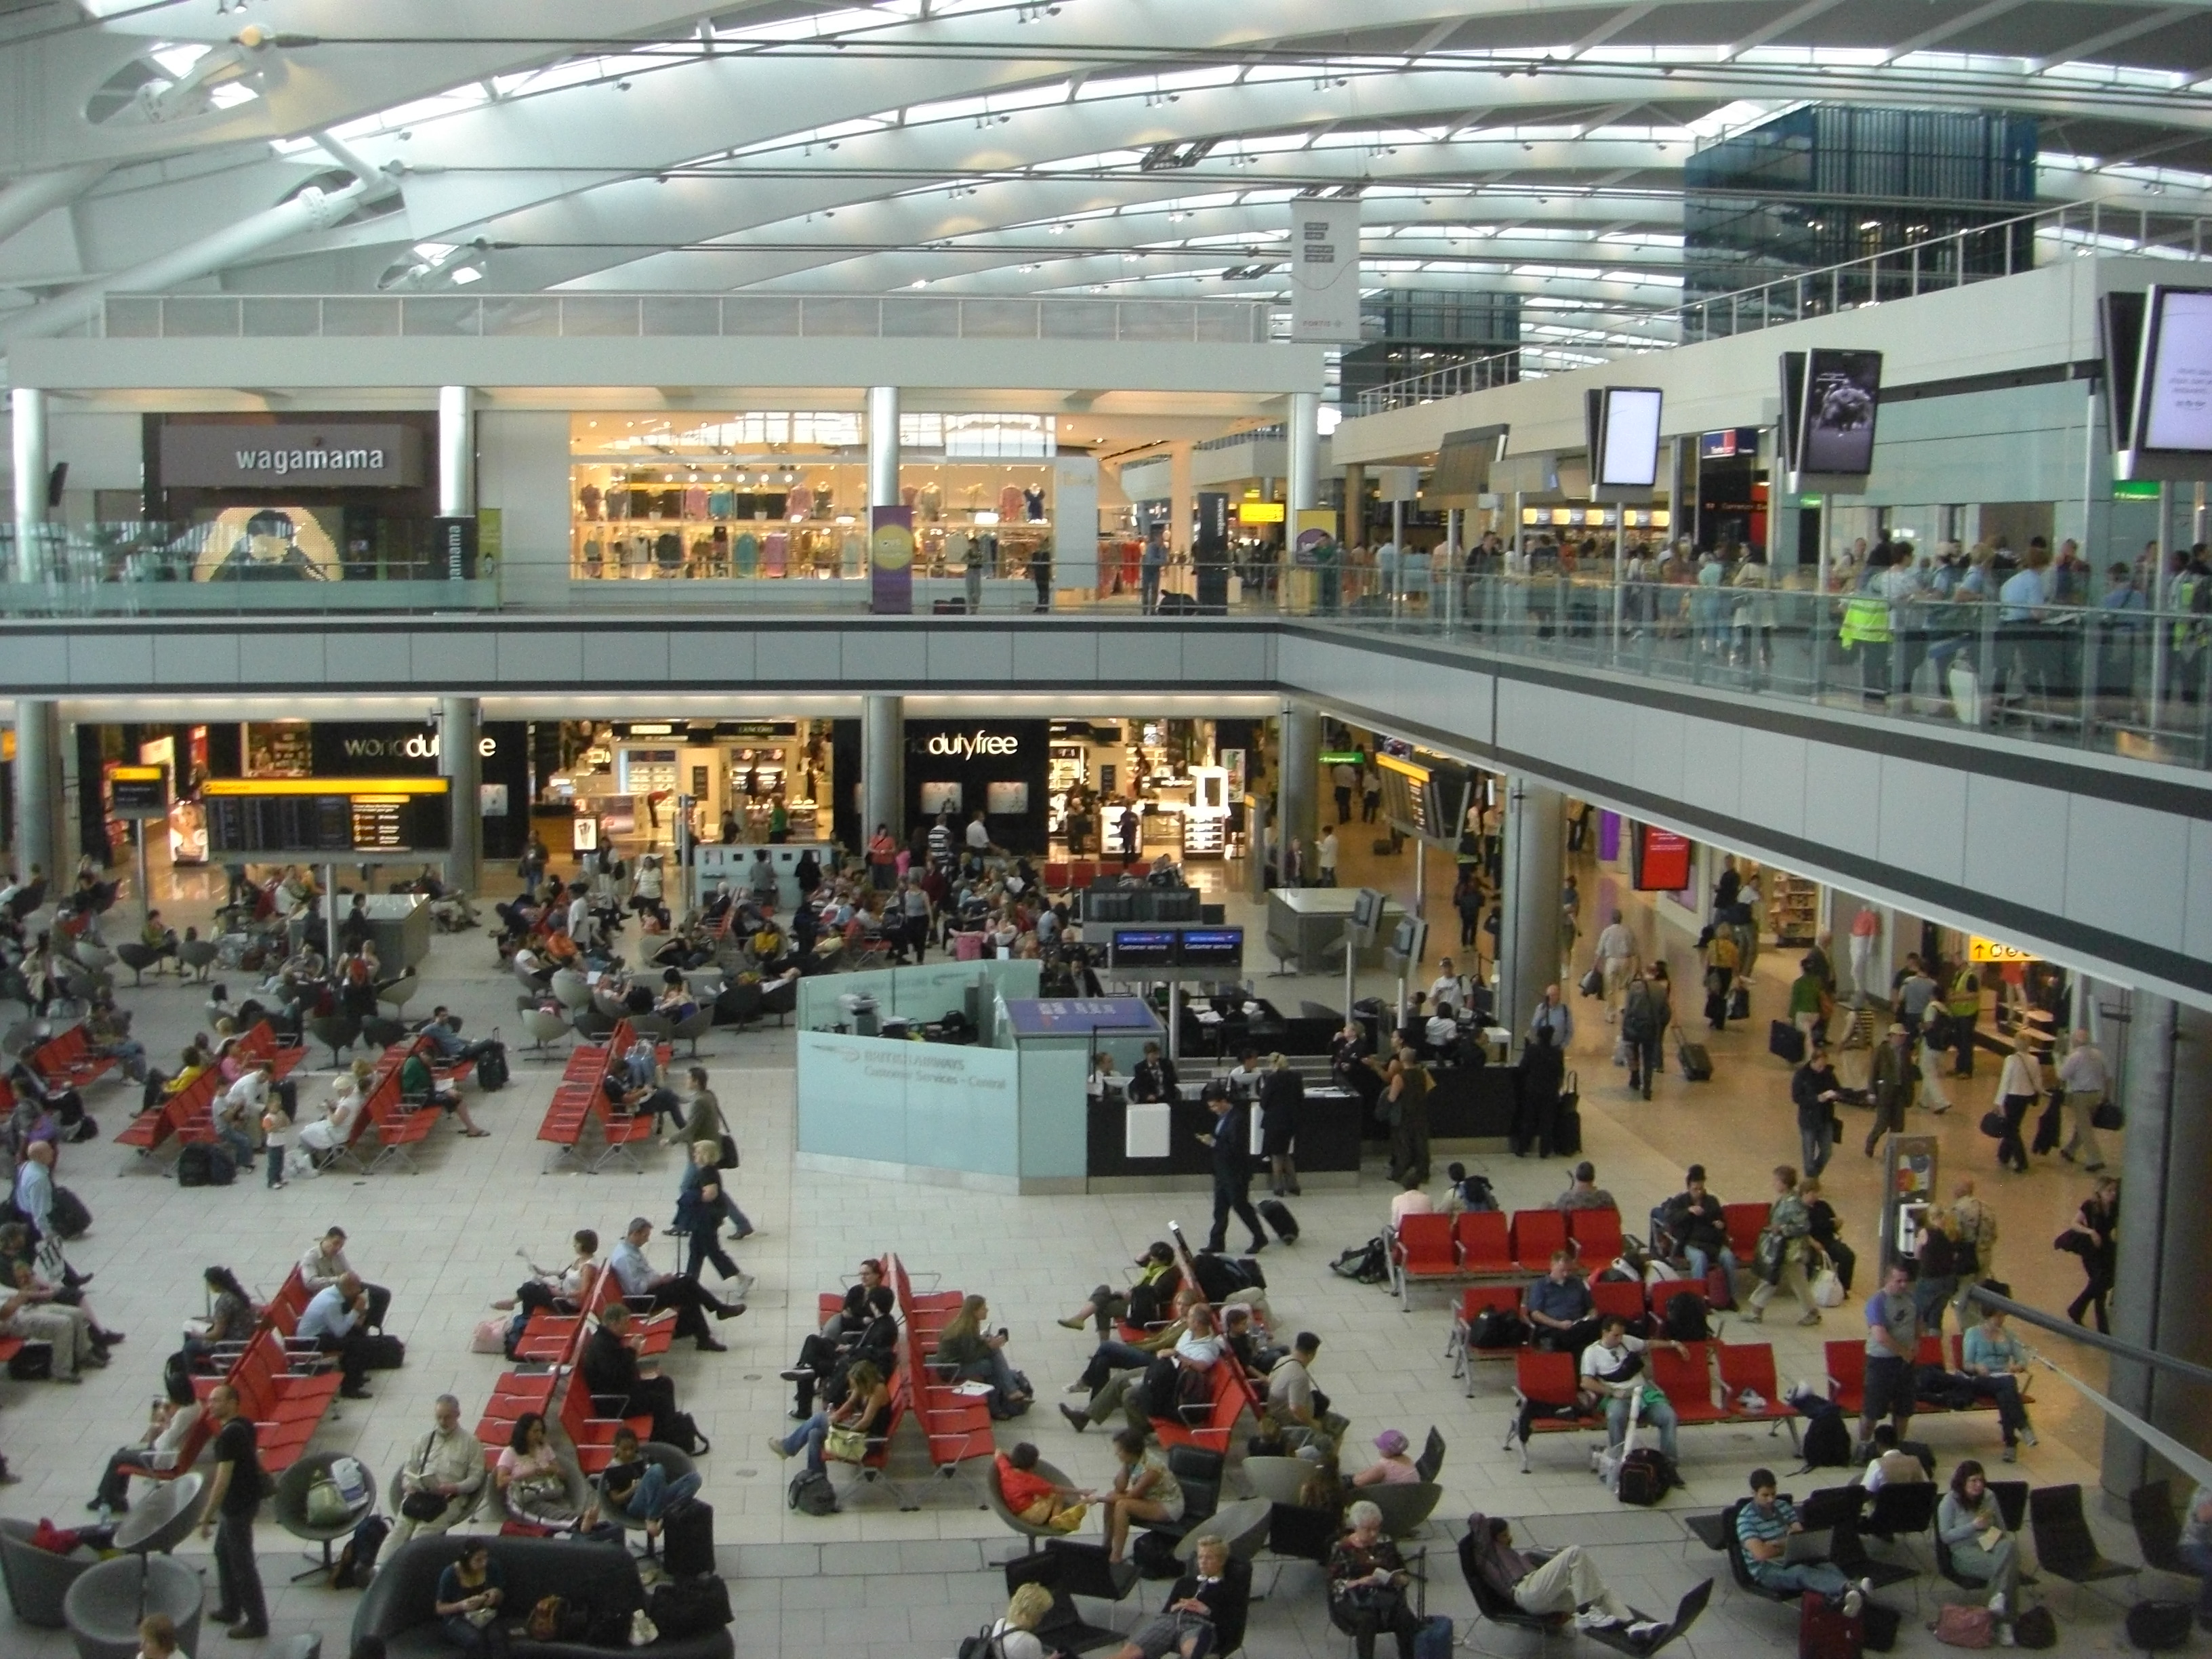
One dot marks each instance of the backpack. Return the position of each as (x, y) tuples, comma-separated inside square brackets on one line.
[(1365, 1264), (221, 1167), (983, 1644), (2035, 1628), (1646, 1476), (1827, 1440), (357, 1560), (812, 1494), (1685, 1319), (195, 1166), (1497, 1328)]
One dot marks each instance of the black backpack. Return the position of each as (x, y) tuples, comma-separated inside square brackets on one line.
[(812, 1494), (196, 1165), (1497, 1328), (1827, 1441), (1685, 1318), (2156, 1626), (356, 1562), (982, 1645), (1365, 1264), (1646, 1476), (491, 1069)]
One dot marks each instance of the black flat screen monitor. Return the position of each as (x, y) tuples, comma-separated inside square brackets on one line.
[(1109, 904), (1135, 947), (1175, 904), (2174, 393), (1213, 947)]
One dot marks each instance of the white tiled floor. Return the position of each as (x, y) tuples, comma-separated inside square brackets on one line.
[(874, 1580)]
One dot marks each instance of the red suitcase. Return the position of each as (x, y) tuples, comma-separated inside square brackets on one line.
[(1825, 1631)]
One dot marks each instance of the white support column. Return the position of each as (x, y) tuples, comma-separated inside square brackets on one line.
[(457, 454), (882, 450), (882, 747), (1304, 445), (459, 726), (1528, 932), (27, 406), (38, 787)]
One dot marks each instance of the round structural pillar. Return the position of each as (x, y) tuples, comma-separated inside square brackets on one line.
[(2166, 1234), (460, 730), (882, 450), (38, 787), (1296, 786), (27, 413), (883, 785), (1530, 911)]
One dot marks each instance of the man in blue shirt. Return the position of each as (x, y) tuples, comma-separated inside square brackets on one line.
[(1560, 1306), (444, 1034), (1556, 1014), (332, 1321), (1762, 1527)]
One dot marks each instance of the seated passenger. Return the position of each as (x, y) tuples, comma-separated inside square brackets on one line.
[(1033, 1498), (1994, 1361), (442, 1476), (1392, 1466), (1559, 1305), (1409, 1200), (638, 1489), (1972, 1528), (529, 1475), (1891, 1465), (1144, 1489), (1612, 1371), (171, 1425), (1584, 1193), (863, 1413), (1158, 1279), (825, 1361), (1560, 1582), (1764, 1526), (980, 1355), (1367, 1580), (419, 1088), (1205, 1603)]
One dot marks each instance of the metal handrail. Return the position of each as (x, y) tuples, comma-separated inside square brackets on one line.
[(1926, 266), (678, 315)]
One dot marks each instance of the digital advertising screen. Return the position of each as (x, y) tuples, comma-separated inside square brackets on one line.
[(2174, 391), (1628, 458), (1662, 861), (1842, 389)]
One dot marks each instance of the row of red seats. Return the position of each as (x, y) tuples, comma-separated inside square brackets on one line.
[(1488, 1244), (66, 1060), (1627, 1298), (580, 1099), (1691, 1381), (188, 1116)]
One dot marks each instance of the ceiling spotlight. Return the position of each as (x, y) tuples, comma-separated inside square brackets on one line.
[(918, 282)]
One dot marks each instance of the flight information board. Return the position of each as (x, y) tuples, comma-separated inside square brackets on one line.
[(310, 818)]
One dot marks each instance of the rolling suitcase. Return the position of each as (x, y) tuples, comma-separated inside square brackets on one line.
[(687, 1539), (1825, 1633), (1277, 1214), (1696, 1063), (1739, 1005), (1786, 1043)]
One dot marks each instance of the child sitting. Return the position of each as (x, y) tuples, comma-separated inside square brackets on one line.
[(1031, 1497)]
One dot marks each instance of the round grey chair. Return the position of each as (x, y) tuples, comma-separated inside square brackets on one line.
[(571, 990), (137, 958), (38, 1580), (197, 955), (161, 1520), (1277, 1480), (1405, 1508), (547, 1027), (691, 1030), (576, 1492), (289, 1506), (393, 1493), (399, 990), (1242, 1525), (103, 1607), (997, 1499)]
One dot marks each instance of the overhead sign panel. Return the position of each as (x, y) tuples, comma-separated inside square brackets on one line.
[(228, 455), (1325, 272)]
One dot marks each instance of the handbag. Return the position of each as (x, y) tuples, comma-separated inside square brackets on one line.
[(423, 1505), (1961, 1627), (729, 1152), (1993, 1126), (2108, 1115), (844, 1443), (1827, 1289)]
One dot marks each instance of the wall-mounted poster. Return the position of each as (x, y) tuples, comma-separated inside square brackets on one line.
[(1007, 798), (268, 543), (940, 798)]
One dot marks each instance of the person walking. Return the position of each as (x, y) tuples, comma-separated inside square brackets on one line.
[(1344, 778), (699, 1209), (1963, 1002), (1814, 1090), (1150, 569), (1891, 1076), (2095, 1236), (1325, 857), (1647, 1010), (2085, 1076), (2019, 1087), (1231, 1144), (233, 1498), (1616, 961)]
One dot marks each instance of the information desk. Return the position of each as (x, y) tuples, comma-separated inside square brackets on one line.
[(1306, 927), (1239, 1022), (399, 927), (1465, 1103), (1327, 1148)]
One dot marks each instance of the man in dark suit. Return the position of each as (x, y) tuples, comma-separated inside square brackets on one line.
[(1231, 1141), (610, 1369)]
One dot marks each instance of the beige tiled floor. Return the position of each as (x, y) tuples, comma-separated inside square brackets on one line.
[(875, 1579)]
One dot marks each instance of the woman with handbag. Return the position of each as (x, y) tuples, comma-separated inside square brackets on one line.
[(532, 1484), (843, 1430), (1783, 1248), (1970, 1526), (1367, 1580), (981, 1356), (699, 1213)]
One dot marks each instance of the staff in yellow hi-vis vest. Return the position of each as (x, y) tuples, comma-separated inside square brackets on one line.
[(1867, 630)]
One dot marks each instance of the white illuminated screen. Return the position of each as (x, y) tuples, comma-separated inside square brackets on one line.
[(1632, 437), (2178, 396)]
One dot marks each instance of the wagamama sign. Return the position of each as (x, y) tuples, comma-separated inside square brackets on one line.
[(234, 455)]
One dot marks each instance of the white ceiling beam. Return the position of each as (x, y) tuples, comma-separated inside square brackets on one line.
[(2112, 37), (1778, 27), (1953, 26), (1626, 18)]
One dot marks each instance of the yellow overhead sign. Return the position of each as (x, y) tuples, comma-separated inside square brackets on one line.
[(1988, 949), (326, 786)]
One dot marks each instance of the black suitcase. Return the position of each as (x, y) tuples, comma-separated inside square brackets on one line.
[(687, 1539), (1567, 1132), (1785, 1042), (683, 1608), (2156, 1626), (1697, 1062), (195, 1165), (70, 1218), (1277, 1214), (385, 1353), (1739, 1003)]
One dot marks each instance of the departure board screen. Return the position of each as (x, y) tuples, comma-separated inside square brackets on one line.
[(326, 817)]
